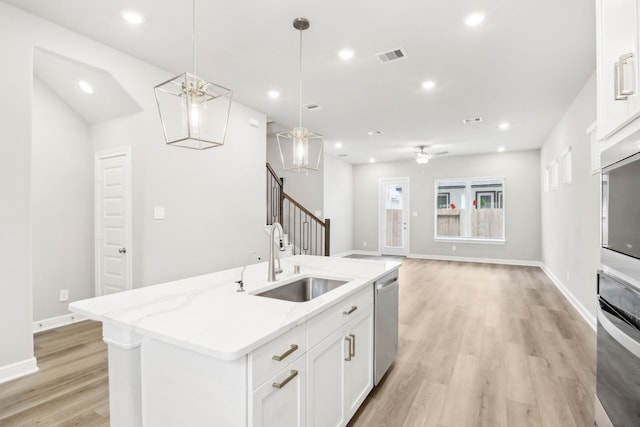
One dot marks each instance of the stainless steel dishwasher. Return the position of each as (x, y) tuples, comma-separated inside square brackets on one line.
[(386, 324)]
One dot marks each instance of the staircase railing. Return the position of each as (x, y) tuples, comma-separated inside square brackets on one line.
[(308, 234)]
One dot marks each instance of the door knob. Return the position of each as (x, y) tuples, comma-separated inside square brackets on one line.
[(122, 250)]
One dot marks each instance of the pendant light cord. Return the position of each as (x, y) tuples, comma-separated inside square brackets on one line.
[(193, 39), (300, 84)]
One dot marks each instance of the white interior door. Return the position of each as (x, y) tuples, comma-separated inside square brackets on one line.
[(113, 221), (394, 216)]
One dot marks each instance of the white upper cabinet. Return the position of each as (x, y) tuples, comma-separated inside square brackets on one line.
[(617, 51)]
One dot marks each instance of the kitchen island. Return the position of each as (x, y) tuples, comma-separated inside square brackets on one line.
[(197, 352)]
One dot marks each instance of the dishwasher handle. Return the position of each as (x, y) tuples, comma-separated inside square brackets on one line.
[(386, 287)]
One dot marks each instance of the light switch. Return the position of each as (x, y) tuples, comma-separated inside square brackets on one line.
[(415, 213), (158, 212)]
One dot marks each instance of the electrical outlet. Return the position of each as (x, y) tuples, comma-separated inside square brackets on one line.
[(64, 295), (453, 248)]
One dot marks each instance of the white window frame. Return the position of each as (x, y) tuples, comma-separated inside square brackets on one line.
[(468, 194), (567, 167)]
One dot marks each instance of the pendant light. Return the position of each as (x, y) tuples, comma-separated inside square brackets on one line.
[(300, 148), (194, 112)]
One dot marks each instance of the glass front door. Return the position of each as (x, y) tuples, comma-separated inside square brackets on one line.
[(394, 218)]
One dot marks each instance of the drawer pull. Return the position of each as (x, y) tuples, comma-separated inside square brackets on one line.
[(351, 310), (284, 355), (293, 374)]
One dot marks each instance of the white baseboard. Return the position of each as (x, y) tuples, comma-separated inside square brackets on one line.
[(478, 260), (586, 315), (56, 322), (18, 369)]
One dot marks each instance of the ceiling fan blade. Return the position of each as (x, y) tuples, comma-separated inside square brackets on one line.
[(442, 153)]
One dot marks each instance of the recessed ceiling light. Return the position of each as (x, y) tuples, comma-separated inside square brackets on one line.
[(273, 94), (501, 149), (346, 54), (372, 160), (338, 144), (474, 19), (132, 17), (429, 85), (504, 126), (85, 87)]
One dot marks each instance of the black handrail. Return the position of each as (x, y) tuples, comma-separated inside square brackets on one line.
[(307, 233)]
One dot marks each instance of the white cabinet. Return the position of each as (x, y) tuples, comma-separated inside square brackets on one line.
[(340, 372), (617, 53), (359, 370), (281, 401), (325, 390)]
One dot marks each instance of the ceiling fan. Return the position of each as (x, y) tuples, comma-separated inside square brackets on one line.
[(422, 157)]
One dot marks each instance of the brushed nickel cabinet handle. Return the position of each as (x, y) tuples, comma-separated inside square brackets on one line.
[(349, 341), (617, 69), (627, 75), (293, 374), (351, 310), (284, 355), (352, 349)]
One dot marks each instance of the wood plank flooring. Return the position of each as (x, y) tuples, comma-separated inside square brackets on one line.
[(480, 345), (485, 345), (71, 387)]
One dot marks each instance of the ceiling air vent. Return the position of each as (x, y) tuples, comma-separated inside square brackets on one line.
[(313, 107), (392, 55), (343, 155), (473, 120)]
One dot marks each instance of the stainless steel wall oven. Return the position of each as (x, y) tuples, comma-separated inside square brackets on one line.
[(618, 358)]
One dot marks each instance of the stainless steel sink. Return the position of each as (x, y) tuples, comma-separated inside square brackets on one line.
[(304, 289)]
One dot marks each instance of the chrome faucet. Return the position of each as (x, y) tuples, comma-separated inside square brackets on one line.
[(241, 281), (273, 270)]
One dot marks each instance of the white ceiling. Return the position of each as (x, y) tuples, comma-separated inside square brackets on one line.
[(62, 74), (524, 64)]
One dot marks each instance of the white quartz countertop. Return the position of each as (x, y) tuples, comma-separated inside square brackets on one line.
[(205, 314)]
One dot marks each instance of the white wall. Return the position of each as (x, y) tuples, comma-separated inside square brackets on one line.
[(15, 186), (214, 199), (521, 171), (570, 215), (338, 203), (61, 204)]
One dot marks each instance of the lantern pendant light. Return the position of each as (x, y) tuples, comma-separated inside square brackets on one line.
[(300, 148), (194, 112)]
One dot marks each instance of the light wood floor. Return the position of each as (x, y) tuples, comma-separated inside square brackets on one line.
[(70, 389), (485, 345), (480, 345)]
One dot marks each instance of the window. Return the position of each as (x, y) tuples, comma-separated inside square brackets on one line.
[(470, 209), (565, 160)]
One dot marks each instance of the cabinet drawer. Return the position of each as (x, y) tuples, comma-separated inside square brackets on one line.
[(282, 400), (320, 326), (272, 357)]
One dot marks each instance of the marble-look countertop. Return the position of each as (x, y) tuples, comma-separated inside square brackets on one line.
[(205, 314)]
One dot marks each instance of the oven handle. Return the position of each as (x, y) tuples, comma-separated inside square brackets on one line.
[(623, 339)]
